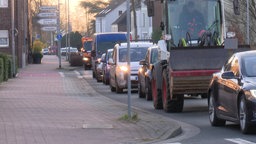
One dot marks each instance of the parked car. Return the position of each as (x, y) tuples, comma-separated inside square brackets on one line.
[(232, 92), (106, 67), (144, 73), (99, 68), (119, 68), (45, 51)]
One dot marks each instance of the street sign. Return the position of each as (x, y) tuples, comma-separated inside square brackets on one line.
[(59, 36), (48, 8), (47, 21), (49, 28), (49, 14)]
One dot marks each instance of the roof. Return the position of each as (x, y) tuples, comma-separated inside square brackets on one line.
[(137, 44), (122, 19), (110, 8)]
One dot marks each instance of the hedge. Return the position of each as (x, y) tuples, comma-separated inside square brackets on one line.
[(1, 70), (5, 66)]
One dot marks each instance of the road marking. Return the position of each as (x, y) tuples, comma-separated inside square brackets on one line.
[(240, 141), (61, 74)]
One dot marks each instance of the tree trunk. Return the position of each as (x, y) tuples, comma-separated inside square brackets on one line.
[(134, 20)]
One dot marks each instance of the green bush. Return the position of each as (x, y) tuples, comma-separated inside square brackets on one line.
[(5, 66), (1, 70)]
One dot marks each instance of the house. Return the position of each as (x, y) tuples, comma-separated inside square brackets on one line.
[(22, 26), (144, 22), (109, 15)]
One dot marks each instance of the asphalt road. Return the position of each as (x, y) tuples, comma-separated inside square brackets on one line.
[(194, 118)]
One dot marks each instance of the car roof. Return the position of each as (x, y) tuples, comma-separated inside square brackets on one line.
[(136, 44), (245, 53)]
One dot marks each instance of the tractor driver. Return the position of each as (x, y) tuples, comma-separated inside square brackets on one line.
[(191, 21)]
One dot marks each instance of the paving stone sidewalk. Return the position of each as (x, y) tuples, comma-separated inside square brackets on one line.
[(43, 106)]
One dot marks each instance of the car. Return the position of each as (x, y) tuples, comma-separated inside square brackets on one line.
[(45, 51), (99, 68), (144, 73), (106, 67), (119, 67), (232, 92)]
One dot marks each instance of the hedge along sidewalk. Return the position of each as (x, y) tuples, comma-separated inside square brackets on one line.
[(6, 67)]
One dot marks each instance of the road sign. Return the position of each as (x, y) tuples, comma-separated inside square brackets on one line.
[(50, 14), (59, 36), (48, 8), (49, 28), (47, 21)]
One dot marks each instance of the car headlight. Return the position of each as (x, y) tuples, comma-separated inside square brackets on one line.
[(253, 93), (86, 59), (99, 59), (124, 68), (140, 70)]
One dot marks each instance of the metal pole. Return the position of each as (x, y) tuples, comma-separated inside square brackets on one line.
[(223, 19), (58, 33), (68, 31), (248, 22), (13, 38), (24, 48), (128, 56)]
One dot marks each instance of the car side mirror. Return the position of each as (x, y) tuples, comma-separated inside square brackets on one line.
[(228, 75), (110, 61), (142, 62)]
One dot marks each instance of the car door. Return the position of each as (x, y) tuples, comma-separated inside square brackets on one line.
[(232, 89), (113, 68), (229, 89)]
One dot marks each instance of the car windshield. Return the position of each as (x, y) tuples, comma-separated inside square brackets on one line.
[(188, 19), (249, 65), (136, 54)]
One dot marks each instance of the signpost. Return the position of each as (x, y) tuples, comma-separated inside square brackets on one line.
[(49, 28), (47, 14), (47, 21), (48, 8)]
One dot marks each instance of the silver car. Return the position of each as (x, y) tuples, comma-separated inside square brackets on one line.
[(119, 68)]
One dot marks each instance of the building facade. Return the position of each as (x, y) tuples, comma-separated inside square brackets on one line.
[(22, 29)]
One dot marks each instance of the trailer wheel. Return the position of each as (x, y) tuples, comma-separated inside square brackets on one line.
[(166, 92), (156, 94)]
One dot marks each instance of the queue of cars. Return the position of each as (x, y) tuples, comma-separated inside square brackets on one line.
[(231, 93)]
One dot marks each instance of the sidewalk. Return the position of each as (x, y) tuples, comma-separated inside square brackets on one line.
[(43, 106)]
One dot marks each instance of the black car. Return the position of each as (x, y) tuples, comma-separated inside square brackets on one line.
[(232, 92), (144, 73), (99, 69)]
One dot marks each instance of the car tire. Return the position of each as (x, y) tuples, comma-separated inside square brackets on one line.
[(156, 94), (112, 88), (148, 90), (214, 120), (118, 90), (245, 127), (141, 94)]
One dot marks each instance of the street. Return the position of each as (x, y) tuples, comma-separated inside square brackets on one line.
[(199, 130)]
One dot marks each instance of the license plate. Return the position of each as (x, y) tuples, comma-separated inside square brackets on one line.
[(134, 78)]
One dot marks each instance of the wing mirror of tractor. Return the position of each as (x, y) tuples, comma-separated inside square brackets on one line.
[(143, 62), (236, 7)]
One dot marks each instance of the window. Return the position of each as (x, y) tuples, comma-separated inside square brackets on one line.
[(4, 39), (3, 3)]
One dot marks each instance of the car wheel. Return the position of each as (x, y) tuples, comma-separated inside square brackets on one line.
[(112, 88), (243, 117), (141, 94), (148, 90), (118, 90), (214, 120), (103, 78), (93, 74), (156, 94)]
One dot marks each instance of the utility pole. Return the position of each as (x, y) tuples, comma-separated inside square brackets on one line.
[(59, 34), (248, 22), (128, 56), (13, 37)]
